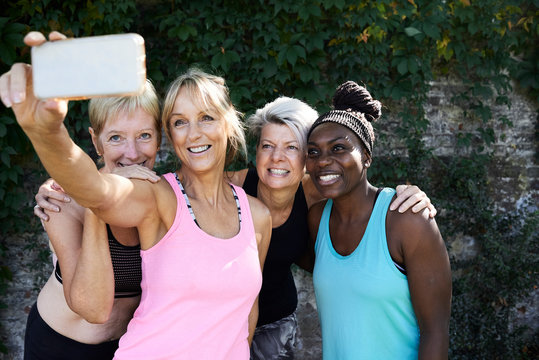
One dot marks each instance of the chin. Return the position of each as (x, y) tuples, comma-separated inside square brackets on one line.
[(330, 193), (278, 183)]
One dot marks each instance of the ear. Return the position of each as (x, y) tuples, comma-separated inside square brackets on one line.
[(95, 141), (367, 159)]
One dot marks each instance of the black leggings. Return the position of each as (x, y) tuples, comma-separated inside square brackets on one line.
[(41, 342)]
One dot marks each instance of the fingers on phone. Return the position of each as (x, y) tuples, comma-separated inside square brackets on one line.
[(34, 38), (55, 35)]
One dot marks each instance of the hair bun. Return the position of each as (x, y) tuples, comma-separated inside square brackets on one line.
[(352, 97)]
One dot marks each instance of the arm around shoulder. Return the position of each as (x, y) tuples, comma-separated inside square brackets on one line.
[(64, 231), (92, 289)]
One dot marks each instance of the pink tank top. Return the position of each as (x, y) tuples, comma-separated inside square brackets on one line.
[(197, 292)]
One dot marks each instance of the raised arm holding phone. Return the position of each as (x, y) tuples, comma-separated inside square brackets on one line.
[(86, 304), (204, 129)]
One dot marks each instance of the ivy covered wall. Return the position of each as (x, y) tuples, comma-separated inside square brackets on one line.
[(400, 49)]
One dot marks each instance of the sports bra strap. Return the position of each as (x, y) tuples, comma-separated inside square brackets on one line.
[(190, 208)]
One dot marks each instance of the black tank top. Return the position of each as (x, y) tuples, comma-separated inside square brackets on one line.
[(126, 264), (278, 297)]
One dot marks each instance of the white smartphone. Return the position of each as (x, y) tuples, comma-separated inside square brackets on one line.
[(81, 68)]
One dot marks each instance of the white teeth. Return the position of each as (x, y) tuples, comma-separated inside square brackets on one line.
[(278, 171), (122, 164), (328, 177), (199, 149)]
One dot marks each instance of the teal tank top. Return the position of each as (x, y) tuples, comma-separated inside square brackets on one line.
[(363, 300)]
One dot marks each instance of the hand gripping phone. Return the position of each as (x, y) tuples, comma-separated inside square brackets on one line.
[(109, 65)]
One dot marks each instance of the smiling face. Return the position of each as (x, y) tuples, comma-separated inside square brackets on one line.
[(199, 135), (279, 161), (336, 160), (128, 139)]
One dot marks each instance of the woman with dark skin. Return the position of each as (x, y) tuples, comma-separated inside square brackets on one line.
[(382, 278)]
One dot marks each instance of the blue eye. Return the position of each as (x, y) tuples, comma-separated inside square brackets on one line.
[(179, 122), (207, 118), (293, 147), (266, 146), (145, 136), (114, 138)]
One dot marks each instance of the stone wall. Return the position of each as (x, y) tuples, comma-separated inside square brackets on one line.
[(513, 174), (24, 255)]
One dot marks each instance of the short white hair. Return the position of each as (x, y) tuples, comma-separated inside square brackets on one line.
[(294, 113)]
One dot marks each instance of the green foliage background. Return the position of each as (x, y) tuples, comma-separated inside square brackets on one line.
[(306, 48)]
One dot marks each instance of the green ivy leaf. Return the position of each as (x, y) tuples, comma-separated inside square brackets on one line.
[(3, 22), (412, 65), (473, 28), (4, 156), (411, 31), (270, 68), (339, 4), (305, 73), (431, 30), (402, 68), (7, 54)]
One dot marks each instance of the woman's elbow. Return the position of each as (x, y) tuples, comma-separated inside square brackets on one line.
[(91, 312), (96, 316)]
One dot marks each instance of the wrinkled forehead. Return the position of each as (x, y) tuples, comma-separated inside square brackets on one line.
[(136, 118), (278, 130)]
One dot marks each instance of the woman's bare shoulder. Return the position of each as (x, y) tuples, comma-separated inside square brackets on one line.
[(236, 177), (258, 208)]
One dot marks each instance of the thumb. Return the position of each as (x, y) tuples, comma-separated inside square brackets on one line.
[(57, 107)]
